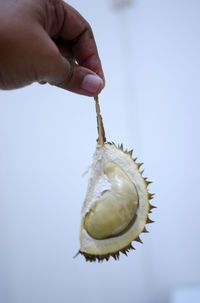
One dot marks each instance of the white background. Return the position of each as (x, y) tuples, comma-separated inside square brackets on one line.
[(151, 57)]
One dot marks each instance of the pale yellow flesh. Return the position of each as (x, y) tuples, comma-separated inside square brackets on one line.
[(98, 247), (113, 211)]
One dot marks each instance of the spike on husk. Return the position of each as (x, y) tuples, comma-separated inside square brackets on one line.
[(149, 220), (138, 240), (145, 230)]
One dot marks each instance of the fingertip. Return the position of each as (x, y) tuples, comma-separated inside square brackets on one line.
[(93, 63), (100, 73), (92, 84), (73, 77)]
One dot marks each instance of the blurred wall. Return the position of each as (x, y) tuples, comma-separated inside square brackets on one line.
[(150, 54)]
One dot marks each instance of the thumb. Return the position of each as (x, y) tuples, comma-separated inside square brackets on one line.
[(73, 77)]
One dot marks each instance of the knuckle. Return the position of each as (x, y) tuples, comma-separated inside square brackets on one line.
[(48, 62)]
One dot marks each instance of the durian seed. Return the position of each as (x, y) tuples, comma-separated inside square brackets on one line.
[(112, 213)]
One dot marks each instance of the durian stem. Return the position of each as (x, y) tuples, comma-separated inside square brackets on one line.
[(101, 133)]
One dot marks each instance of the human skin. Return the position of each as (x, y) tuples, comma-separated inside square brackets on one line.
[(47, 41)]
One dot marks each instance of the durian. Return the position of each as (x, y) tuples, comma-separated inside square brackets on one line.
[(116, 208)]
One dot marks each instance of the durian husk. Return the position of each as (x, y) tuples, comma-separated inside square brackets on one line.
[(101, 143)]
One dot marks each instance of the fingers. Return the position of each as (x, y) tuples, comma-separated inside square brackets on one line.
[(74, 41), (72, 77), (78, 33)]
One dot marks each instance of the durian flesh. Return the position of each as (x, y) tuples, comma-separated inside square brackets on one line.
[(116, 206)]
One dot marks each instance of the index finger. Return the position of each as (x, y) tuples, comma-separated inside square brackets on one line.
[(77, 31)]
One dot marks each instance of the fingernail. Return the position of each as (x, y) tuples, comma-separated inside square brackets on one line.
[(92, 83)]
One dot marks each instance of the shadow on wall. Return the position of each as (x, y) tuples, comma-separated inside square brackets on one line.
[(119, 4)]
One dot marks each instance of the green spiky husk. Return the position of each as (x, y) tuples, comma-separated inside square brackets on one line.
[(101, 141), (125, 250)]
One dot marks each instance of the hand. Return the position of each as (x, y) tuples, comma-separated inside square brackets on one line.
[(47, 41)]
